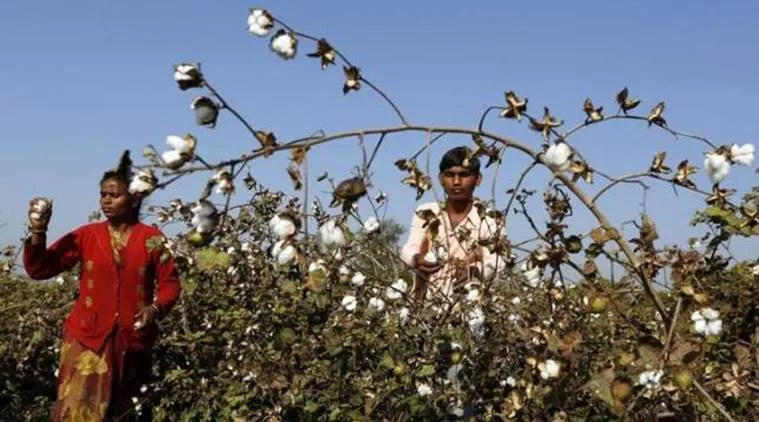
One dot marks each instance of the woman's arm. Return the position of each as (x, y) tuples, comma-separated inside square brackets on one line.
[(168, 287), (42, 263)]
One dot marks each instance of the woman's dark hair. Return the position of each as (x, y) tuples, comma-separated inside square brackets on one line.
[(123, 173), (457, 157)]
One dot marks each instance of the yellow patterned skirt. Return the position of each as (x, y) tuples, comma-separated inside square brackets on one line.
[(99, 385)]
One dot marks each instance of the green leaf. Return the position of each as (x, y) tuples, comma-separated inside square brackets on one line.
[(289, 287), (426, 370), (593, 250), (649, 350), (387, 361), (316, 279), (154, 243), (600, 386), (210, 258)]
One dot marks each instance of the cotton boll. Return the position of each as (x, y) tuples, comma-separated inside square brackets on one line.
[(184, 145), (349, 303), (260, 22), (143, 183), (376, 304), (549, 369), (430, 258), (284, 44), (423, 390), (717, 167), (396, 290), (283, 253), (173, 159), (282, 227), (742, 154), (371, 225), (557, 156), (187, 75), (332, 234), (358, 279)]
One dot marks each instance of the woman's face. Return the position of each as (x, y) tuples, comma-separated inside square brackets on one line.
[(459, 183), (115, 200)]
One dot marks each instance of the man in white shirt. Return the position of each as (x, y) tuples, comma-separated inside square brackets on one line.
[(443, 246)]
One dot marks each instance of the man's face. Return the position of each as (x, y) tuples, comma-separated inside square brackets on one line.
[(459, 183)]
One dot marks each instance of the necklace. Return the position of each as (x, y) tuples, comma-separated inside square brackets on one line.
[(118, 242)]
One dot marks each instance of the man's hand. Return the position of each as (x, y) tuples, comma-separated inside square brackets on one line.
[(424, 267)]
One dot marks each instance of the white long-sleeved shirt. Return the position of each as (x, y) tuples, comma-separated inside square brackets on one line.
[(452, 245)]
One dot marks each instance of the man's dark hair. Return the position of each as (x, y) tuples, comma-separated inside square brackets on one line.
[(457, 157)]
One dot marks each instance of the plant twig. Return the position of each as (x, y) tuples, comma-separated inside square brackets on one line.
[(713, 402), (485, 114), (226, 106), (671, 332)]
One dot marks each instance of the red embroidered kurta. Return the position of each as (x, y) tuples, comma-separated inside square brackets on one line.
[(110, 294)]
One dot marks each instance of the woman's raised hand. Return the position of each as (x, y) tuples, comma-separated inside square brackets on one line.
[(40, 211)]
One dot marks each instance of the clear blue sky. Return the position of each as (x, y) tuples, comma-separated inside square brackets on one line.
[(84, 80)]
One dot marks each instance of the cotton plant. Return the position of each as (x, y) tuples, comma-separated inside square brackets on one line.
[(650, 379), (260, 22), (206, 111), (376, 304), (706, 321), (358, 279), (717, 163), (542, 313), (284, 44), (143, 182), (423, 389), (549, 369), (182, 150), (204, 216), (188, 75), (558, 156), (284, 252), (349, 302), (283, 225), (371, 225), (224, 182), (531, 274), (476, 322), (332, 234), (396, 290)]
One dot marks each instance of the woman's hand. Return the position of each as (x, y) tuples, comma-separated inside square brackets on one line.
[(40, 211), (146, 315)]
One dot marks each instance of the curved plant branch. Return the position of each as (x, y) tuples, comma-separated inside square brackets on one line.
[(348, 63), (229, 108)]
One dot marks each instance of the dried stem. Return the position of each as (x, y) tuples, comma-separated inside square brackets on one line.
[(619, 116), (516, 188), (226, 106), (671, 333), (624, 179), (713, 402), (389, 101), (506, 142), (348, 63), (485, 114), (374, 152)]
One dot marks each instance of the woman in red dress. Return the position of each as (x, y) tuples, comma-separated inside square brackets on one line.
[(127, 281)]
